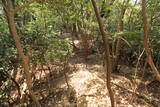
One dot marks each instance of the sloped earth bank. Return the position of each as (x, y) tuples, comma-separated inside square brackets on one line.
[(88, 88)]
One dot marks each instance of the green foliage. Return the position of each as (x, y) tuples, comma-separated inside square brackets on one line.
[(41, 33), (42, 28), (59, 49)]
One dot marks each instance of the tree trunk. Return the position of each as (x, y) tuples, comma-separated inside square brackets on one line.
[(146, 41), (85, 42), (85, 45), (118, 39), (107, 53), (25, 59), (118, 42)]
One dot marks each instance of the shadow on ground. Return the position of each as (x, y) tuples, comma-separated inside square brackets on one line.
[(87, 87)]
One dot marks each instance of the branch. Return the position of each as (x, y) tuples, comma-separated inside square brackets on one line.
[(140, 95), (16, 83), (24, 5)]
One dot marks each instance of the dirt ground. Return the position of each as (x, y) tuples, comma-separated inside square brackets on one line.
[(87, 86)]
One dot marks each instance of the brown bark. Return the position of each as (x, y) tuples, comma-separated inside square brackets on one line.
[(118, 39), (118, 42), (146, 41), (25, 60), (107, 53), (85, 44)]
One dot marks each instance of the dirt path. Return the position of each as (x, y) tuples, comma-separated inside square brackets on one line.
[(88, 88), (89, 84)]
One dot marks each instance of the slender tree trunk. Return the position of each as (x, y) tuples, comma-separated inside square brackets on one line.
[(85, 42), (107, 53), (25, 59), (146, 41), (118, 39), (85, 45)]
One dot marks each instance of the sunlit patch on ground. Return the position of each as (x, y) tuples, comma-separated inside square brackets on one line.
[(91, 90), (89, 87)]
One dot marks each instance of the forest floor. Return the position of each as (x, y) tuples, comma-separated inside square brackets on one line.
[(87, 87)]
